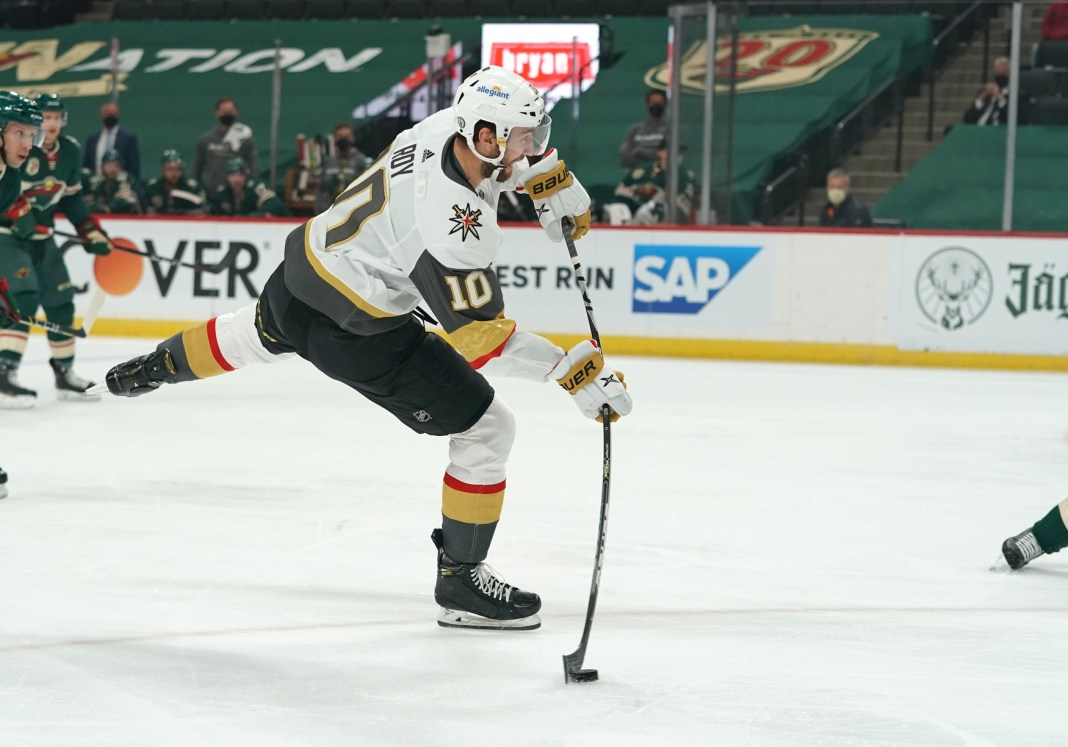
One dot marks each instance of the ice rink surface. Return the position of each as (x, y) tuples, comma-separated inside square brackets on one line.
[(797, 555)]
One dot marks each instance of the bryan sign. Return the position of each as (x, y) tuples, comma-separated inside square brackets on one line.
[(767, 60)]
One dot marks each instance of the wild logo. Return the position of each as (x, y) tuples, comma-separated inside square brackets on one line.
[(466, 221), (767, 60)]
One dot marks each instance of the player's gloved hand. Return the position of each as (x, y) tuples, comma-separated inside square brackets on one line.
[(557, 194), (96, 241), (9, 310), (583, 373), (23, 219)]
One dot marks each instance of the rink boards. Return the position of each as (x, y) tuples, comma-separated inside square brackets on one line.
[(915, 298)]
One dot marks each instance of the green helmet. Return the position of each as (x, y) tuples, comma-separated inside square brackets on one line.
[(15, 107), (236, 165), (111, 155), (51, 102), (171, 156)]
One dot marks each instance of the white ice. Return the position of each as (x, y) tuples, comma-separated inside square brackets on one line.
[(797, 555)]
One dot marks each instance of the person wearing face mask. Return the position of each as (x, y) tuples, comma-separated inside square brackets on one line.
[(221, 144), (991, 105), (339, 169), (843, 210), (645, 138), (112, 137)]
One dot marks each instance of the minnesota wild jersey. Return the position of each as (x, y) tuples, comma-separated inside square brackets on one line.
[(52, 182), (10, 187), (184, 197), (256, 199), (118, 195)]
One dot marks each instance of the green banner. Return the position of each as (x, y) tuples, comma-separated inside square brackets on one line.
[(796, 77), (171, 74), (800, 74)]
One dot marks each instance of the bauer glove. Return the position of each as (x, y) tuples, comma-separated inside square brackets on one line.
[(583, 374), (96, 241), (23, 219), (557, 194)]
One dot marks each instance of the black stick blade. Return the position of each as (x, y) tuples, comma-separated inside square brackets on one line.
[(573, 671)]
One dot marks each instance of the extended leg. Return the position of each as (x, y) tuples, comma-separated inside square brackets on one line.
[(225, 343)]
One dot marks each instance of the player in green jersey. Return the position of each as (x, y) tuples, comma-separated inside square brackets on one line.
[(20, 130), (33, 264)]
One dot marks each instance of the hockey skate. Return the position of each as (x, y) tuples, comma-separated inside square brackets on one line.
[(1021, 549), (3, 483), (141, 375), (70, 386), (473, 596), (12, 395)]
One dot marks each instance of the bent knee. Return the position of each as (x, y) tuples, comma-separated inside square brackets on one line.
[(483, 449)]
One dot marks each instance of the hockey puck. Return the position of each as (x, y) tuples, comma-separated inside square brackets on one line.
[(582, 675)]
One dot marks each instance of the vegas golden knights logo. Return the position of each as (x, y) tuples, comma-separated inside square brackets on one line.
[(767, 60)]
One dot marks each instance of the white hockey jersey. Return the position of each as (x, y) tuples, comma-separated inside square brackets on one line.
[(412, 230)]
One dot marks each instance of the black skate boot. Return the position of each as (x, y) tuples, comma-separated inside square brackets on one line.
[(3, 483), (472, 596), (12, 395), (70, 386), (142, 375), (1021, 549)]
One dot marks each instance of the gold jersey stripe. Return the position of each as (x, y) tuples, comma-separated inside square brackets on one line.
[(202, 361), (471, 508), (477, 339), (336, 283)]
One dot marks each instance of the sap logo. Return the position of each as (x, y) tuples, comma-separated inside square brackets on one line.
[(684, 279)]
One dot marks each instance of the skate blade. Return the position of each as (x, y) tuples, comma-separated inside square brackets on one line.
[(86, 396), (457, 619), (17, 403), (1000, 565), (96, 389), (3, 491)]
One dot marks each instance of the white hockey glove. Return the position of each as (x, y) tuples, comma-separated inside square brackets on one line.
[(557, 194), (583, 374)]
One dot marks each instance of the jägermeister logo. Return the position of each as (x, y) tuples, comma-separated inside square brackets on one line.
[(767, 60), (954, 287)]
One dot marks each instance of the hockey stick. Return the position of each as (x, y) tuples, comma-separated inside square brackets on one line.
[(210, 269), (95, 304), (573, 671)]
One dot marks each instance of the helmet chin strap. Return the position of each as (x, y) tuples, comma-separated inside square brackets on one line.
[(495, 162)]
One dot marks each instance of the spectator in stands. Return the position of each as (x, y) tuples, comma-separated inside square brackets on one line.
[(340, 169), (112, 137), (219, 145), (113, 190), (244, 196), (172, 193), (1055, 22), (991, 105), (843, 210), (644, 192), (645, 138)]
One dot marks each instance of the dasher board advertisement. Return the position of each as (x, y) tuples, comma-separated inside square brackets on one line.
[(984, 295)]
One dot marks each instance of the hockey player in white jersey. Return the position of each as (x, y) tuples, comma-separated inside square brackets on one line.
[(420, 227)]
